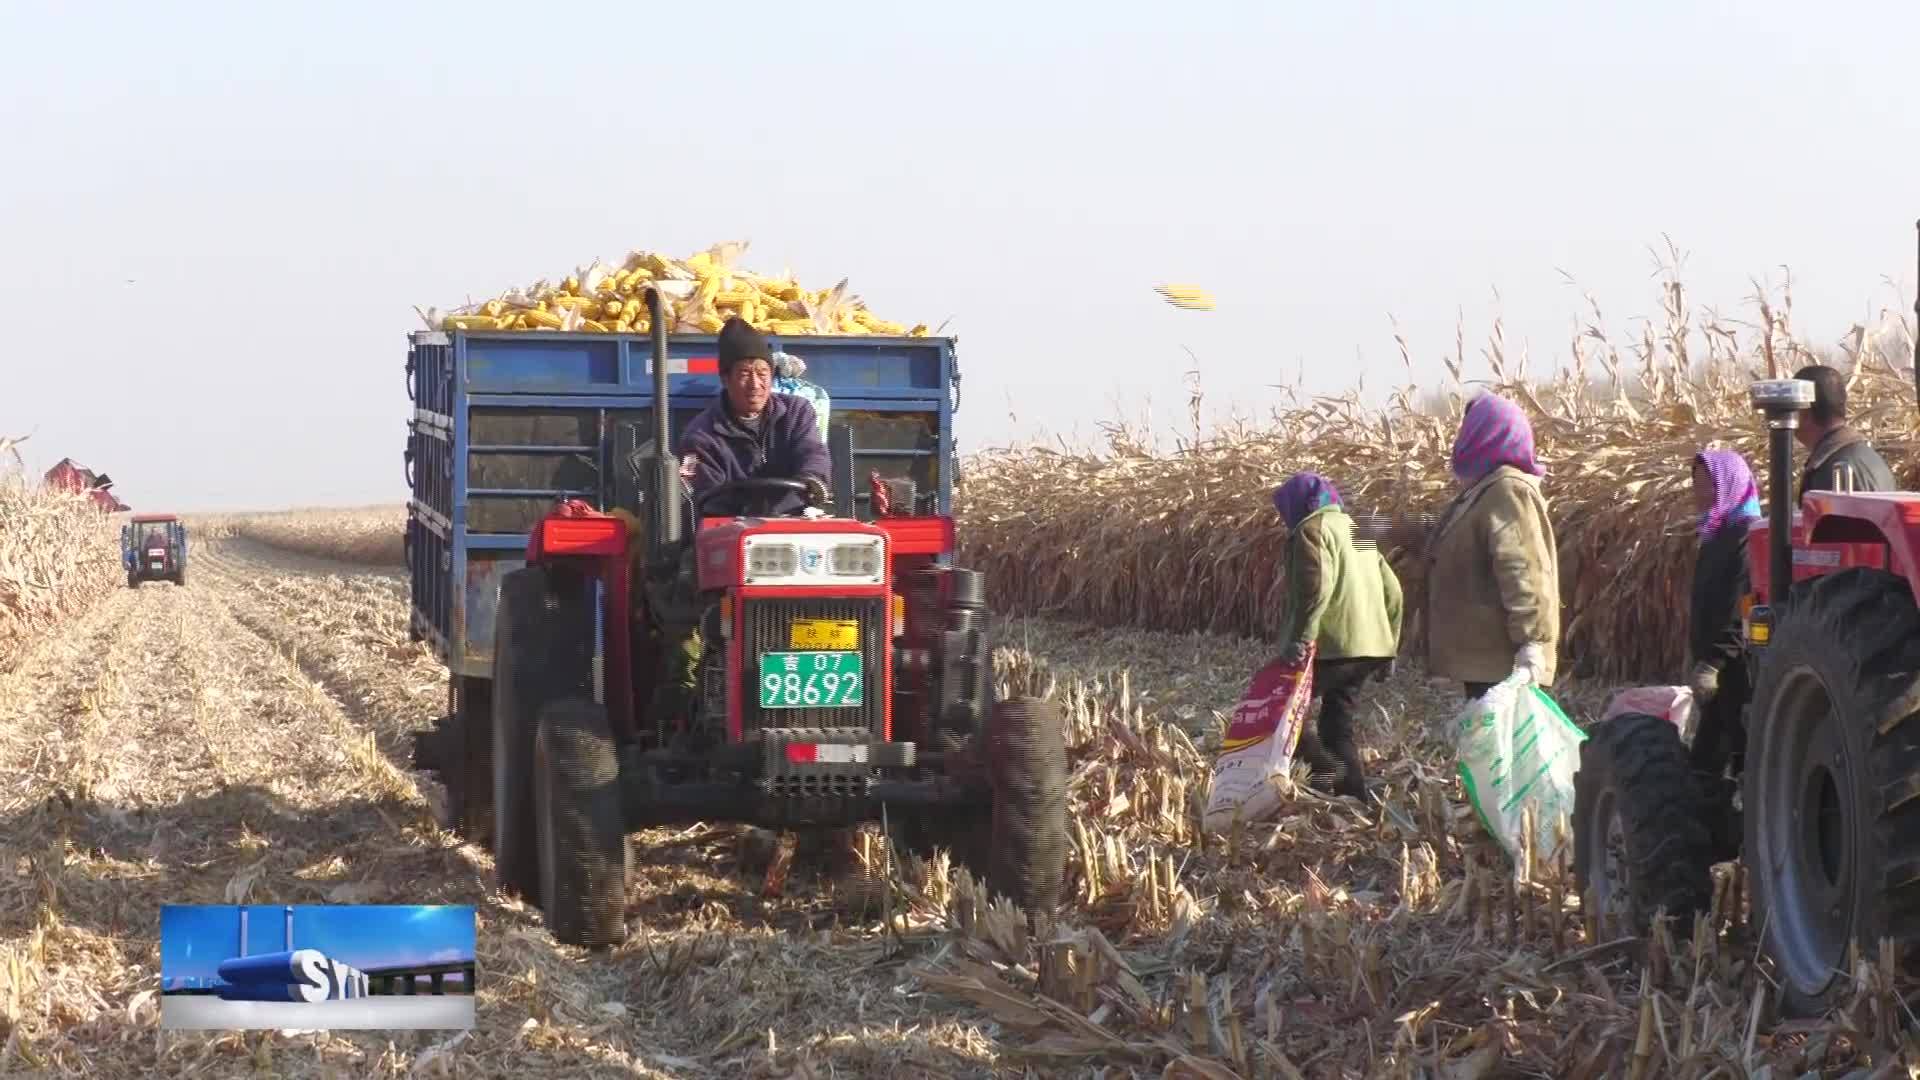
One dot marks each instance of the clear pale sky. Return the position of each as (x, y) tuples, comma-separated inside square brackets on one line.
[(215, 218)]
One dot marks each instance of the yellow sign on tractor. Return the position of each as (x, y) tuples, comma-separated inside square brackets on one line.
[(825, 635)]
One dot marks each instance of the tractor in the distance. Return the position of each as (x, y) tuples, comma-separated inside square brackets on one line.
[(846, 672), (1825, 812), (153, 547)]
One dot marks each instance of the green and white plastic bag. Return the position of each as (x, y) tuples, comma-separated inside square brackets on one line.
[(787, 370), (1519, 752)]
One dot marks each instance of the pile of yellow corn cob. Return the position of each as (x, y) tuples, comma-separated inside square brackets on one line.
[(700, 292)]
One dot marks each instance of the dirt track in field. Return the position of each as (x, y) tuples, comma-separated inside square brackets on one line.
[(246, 738)]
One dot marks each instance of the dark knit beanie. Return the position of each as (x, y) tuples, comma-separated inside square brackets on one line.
[(740, 341)]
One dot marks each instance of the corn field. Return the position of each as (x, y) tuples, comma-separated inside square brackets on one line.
[(58, 553), (373, 536), (1189, 540)]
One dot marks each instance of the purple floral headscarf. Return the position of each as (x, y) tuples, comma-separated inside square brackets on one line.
[(1494, 432), (1735, 498)]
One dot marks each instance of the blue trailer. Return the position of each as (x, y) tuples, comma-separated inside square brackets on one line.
[(504, 424), (821, 667)]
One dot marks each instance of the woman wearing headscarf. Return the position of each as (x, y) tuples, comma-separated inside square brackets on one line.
[(1728, 504), (1493, 575), (1344, 601)]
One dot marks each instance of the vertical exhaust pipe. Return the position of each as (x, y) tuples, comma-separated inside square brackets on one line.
[(243, 930), (289, 927), (666, 515), (1782, 400)]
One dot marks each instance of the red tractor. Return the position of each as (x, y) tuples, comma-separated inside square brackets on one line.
[(153, 547), (1825, 811), (845, 679)]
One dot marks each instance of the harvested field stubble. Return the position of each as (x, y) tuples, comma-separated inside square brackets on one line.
[(58, 554), (275, 699), (1190, 541)]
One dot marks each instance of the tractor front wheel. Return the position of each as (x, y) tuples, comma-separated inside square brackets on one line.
[(1833, 765), (1026, 757), (542, 654), (1641, 843), (581, 831)]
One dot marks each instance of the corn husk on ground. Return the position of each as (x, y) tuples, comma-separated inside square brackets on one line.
[(1189, 540), (702, 291)]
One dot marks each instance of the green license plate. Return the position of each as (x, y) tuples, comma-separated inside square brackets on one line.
[(810, 680)]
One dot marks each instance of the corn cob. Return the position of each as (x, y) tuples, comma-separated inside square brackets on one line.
[(472, 322)]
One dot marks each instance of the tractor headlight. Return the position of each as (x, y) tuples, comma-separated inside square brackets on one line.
[(775, 559), (857, 560), (818, 559)]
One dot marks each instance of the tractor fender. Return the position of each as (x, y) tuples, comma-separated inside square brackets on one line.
[(1835, 531)]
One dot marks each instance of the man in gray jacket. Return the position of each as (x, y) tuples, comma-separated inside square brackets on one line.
[(1838, 457)]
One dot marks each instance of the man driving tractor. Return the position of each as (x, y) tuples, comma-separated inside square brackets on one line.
[(1839, 458), (748, 433)]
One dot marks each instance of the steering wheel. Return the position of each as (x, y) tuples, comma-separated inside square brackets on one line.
[(760, 492)]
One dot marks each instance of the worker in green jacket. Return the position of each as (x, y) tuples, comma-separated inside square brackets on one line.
[(1344, 600)]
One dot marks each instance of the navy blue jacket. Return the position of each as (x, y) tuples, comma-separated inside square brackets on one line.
[(715, 448)]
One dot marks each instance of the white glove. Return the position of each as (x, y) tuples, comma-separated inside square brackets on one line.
[(1531, 660)]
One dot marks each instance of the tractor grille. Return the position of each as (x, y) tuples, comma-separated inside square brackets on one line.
[(767, 628)]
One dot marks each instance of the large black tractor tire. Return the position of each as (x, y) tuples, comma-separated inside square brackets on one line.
[(1026, 760), (1832, 771), (1641, 840), (582, 834), (542, 654)]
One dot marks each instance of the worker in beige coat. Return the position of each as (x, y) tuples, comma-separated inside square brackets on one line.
[(1493, 571)]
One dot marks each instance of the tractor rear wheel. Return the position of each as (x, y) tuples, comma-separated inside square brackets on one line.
[(582, 833), (1641, 842), (1026, 756), (1832, 768), (542, 654)]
